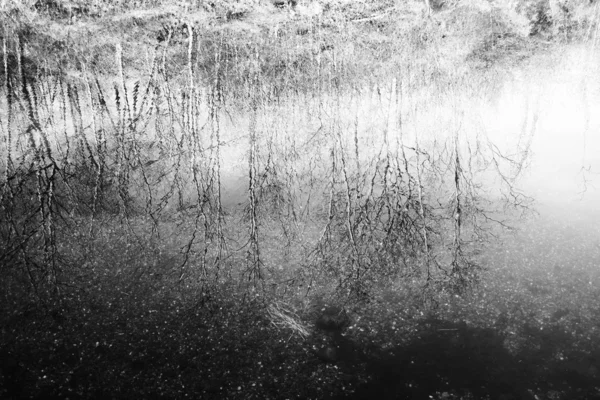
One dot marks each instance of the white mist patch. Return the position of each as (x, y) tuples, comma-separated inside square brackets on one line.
[(549, 111)]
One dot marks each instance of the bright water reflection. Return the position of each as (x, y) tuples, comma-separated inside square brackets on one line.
[(564, 172)]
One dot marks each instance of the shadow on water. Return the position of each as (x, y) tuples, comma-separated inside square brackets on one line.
[(449, 360)]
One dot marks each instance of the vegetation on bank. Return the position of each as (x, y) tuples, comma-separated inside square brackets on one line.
[(248, 199)]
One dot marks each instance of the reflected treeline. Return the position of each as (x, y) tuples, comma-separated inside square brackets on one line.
[(344, 181)]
